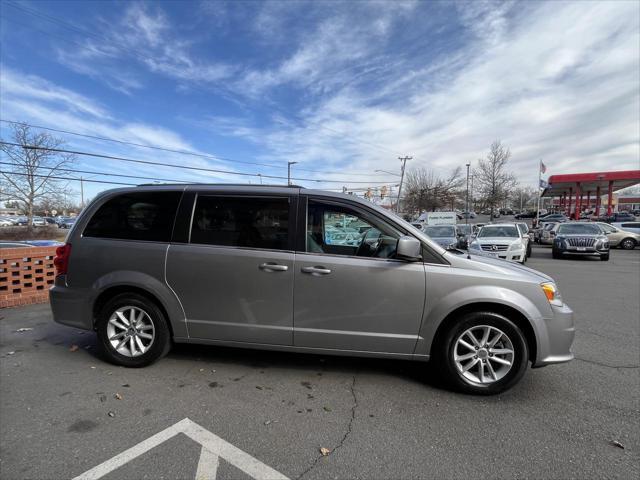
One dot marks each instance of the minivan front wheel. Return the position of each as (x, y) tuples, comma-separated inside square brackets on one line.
[(484, 353), (132, 330)]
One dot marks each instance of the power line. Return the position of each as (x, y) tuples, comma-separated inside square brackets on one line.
[(89, 172), (71, 179), (173, 165), (184, 152)]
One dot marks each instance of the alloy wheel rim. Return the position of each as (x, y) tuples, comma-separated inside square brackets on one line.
[(130, 331), (483, 355)]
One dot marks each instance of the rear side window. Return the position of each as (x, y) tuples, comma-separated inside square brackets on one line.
[(631, 225), (145, 216), (242, 222)]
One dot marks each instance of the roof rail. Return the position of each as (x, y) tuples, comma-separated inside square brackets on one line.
[(177, 184)]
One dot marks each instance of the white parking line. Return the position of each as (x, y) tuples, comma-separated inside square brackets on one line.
[(213, 447)]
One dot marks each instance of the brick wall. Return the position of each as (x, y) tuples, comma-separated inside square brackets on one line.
[(25, 275)]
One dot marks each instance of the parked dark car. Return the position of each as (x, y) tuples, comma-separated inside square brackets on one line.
[(67, 223), (574, 238), (555, 217), (619, 217), (529, 214)]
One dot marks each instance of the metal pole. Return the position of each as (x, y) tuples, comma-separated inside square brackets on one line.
[(466, 216), (539, 178), (404, 163), (289, 172)]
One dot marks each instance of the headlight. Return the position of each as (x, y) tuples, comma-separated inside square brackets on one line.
[(552, 293), (475, 245), (515, 246)]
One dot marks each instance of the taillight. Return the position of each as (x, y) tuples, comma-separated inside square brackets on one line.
[(61, 260)]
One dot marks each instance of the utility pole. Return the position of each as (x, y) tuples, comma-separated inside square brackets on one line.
[(466, 216), (260, 175), (81, 194), (404, 164), (289, 172)]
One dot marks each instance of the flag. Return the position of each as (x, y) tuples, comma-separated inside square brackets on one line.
[(543, 167), (543, 184)]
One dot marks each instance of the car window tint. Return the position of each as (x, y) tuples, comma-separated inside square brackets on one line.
[(241, 222), (339, 230), (631, 225), (145, 216), (578, 229)]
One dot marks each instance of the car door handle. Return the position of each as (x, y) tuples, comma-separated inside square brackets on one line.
[(317, 270), (273, 267)]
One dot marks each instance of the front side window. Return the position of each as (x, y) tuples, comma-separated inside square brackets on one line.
[(338, 230), (145, 216), (607, 228), (252, 222)]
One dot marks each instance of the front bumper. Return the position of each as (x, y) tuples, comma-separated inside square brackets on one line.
[(554, 345), (511, 256), (582, 251)]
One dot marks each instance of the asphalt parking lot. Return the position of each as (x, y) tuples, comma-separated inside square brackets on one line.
[(64, 411)]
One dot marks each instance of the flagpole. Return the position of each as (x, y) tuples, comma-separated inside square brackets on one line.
[(539, 179)]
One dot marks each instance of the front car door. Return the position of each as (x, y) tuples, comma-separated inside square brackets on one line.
[(234, 271), (350, 291)]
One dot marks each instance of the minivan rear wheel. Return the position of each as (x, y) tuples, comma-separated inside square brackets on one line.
[(483, 353), (132, 330)]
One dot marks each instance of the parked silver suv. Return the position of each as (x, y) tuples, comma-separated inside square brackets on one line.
[(268, 267)]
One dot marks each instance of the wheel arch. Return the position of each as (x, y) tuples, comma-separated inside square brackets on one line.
[(110, 292), (513, 314)]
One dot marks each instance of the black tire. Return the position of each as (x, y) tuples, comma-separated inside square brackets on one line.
[(555, 254), (604, 258), (161, 342), (628, 244), (445, 350), (529, 249)]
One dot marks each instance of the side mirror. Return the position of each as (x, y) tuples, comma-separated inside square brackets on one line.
[(409, 248)]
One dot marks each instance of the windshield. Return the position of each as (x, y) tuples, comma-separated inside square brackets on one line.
[(578, 229), (440, 231), (496, 231), (464, 229)]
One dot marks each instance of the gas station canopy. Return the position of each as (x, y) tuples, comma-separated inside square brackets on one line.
[(577, 185)]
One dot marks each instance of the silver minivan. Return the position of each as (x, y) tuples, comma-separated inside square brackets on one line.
[(286, 268)]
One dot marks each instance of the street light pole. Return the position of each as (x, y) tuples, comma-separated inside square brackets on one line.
[(466, 216), (289, 171), (404, 164)]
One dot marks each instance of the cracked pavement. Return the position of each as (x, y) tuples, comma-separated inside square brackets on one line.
[(378, 418)]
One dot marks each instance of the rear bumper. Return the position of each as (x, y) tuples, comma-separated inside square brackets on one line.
[(560, 332), (70, 306)]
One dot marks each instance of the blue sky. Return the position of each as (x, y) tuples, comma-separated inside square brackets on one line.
[(343, 88)]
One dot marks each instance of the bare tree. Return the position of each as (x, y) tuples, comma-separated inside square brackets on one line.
[(30, 178), (428, 191), (493, 180), (521, 197)]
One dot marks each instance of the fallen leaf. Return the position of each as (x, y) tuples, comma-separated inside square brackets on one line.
[(202, 369), (103, 398), (327, 409), (112, 414), (117, 396), (269, 422), (93, 367), (306, 385), (258, 387), (324, 451), (87, 347), (126, 385), (615, 443), (73, 348), (24, 329), (10, 353)]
